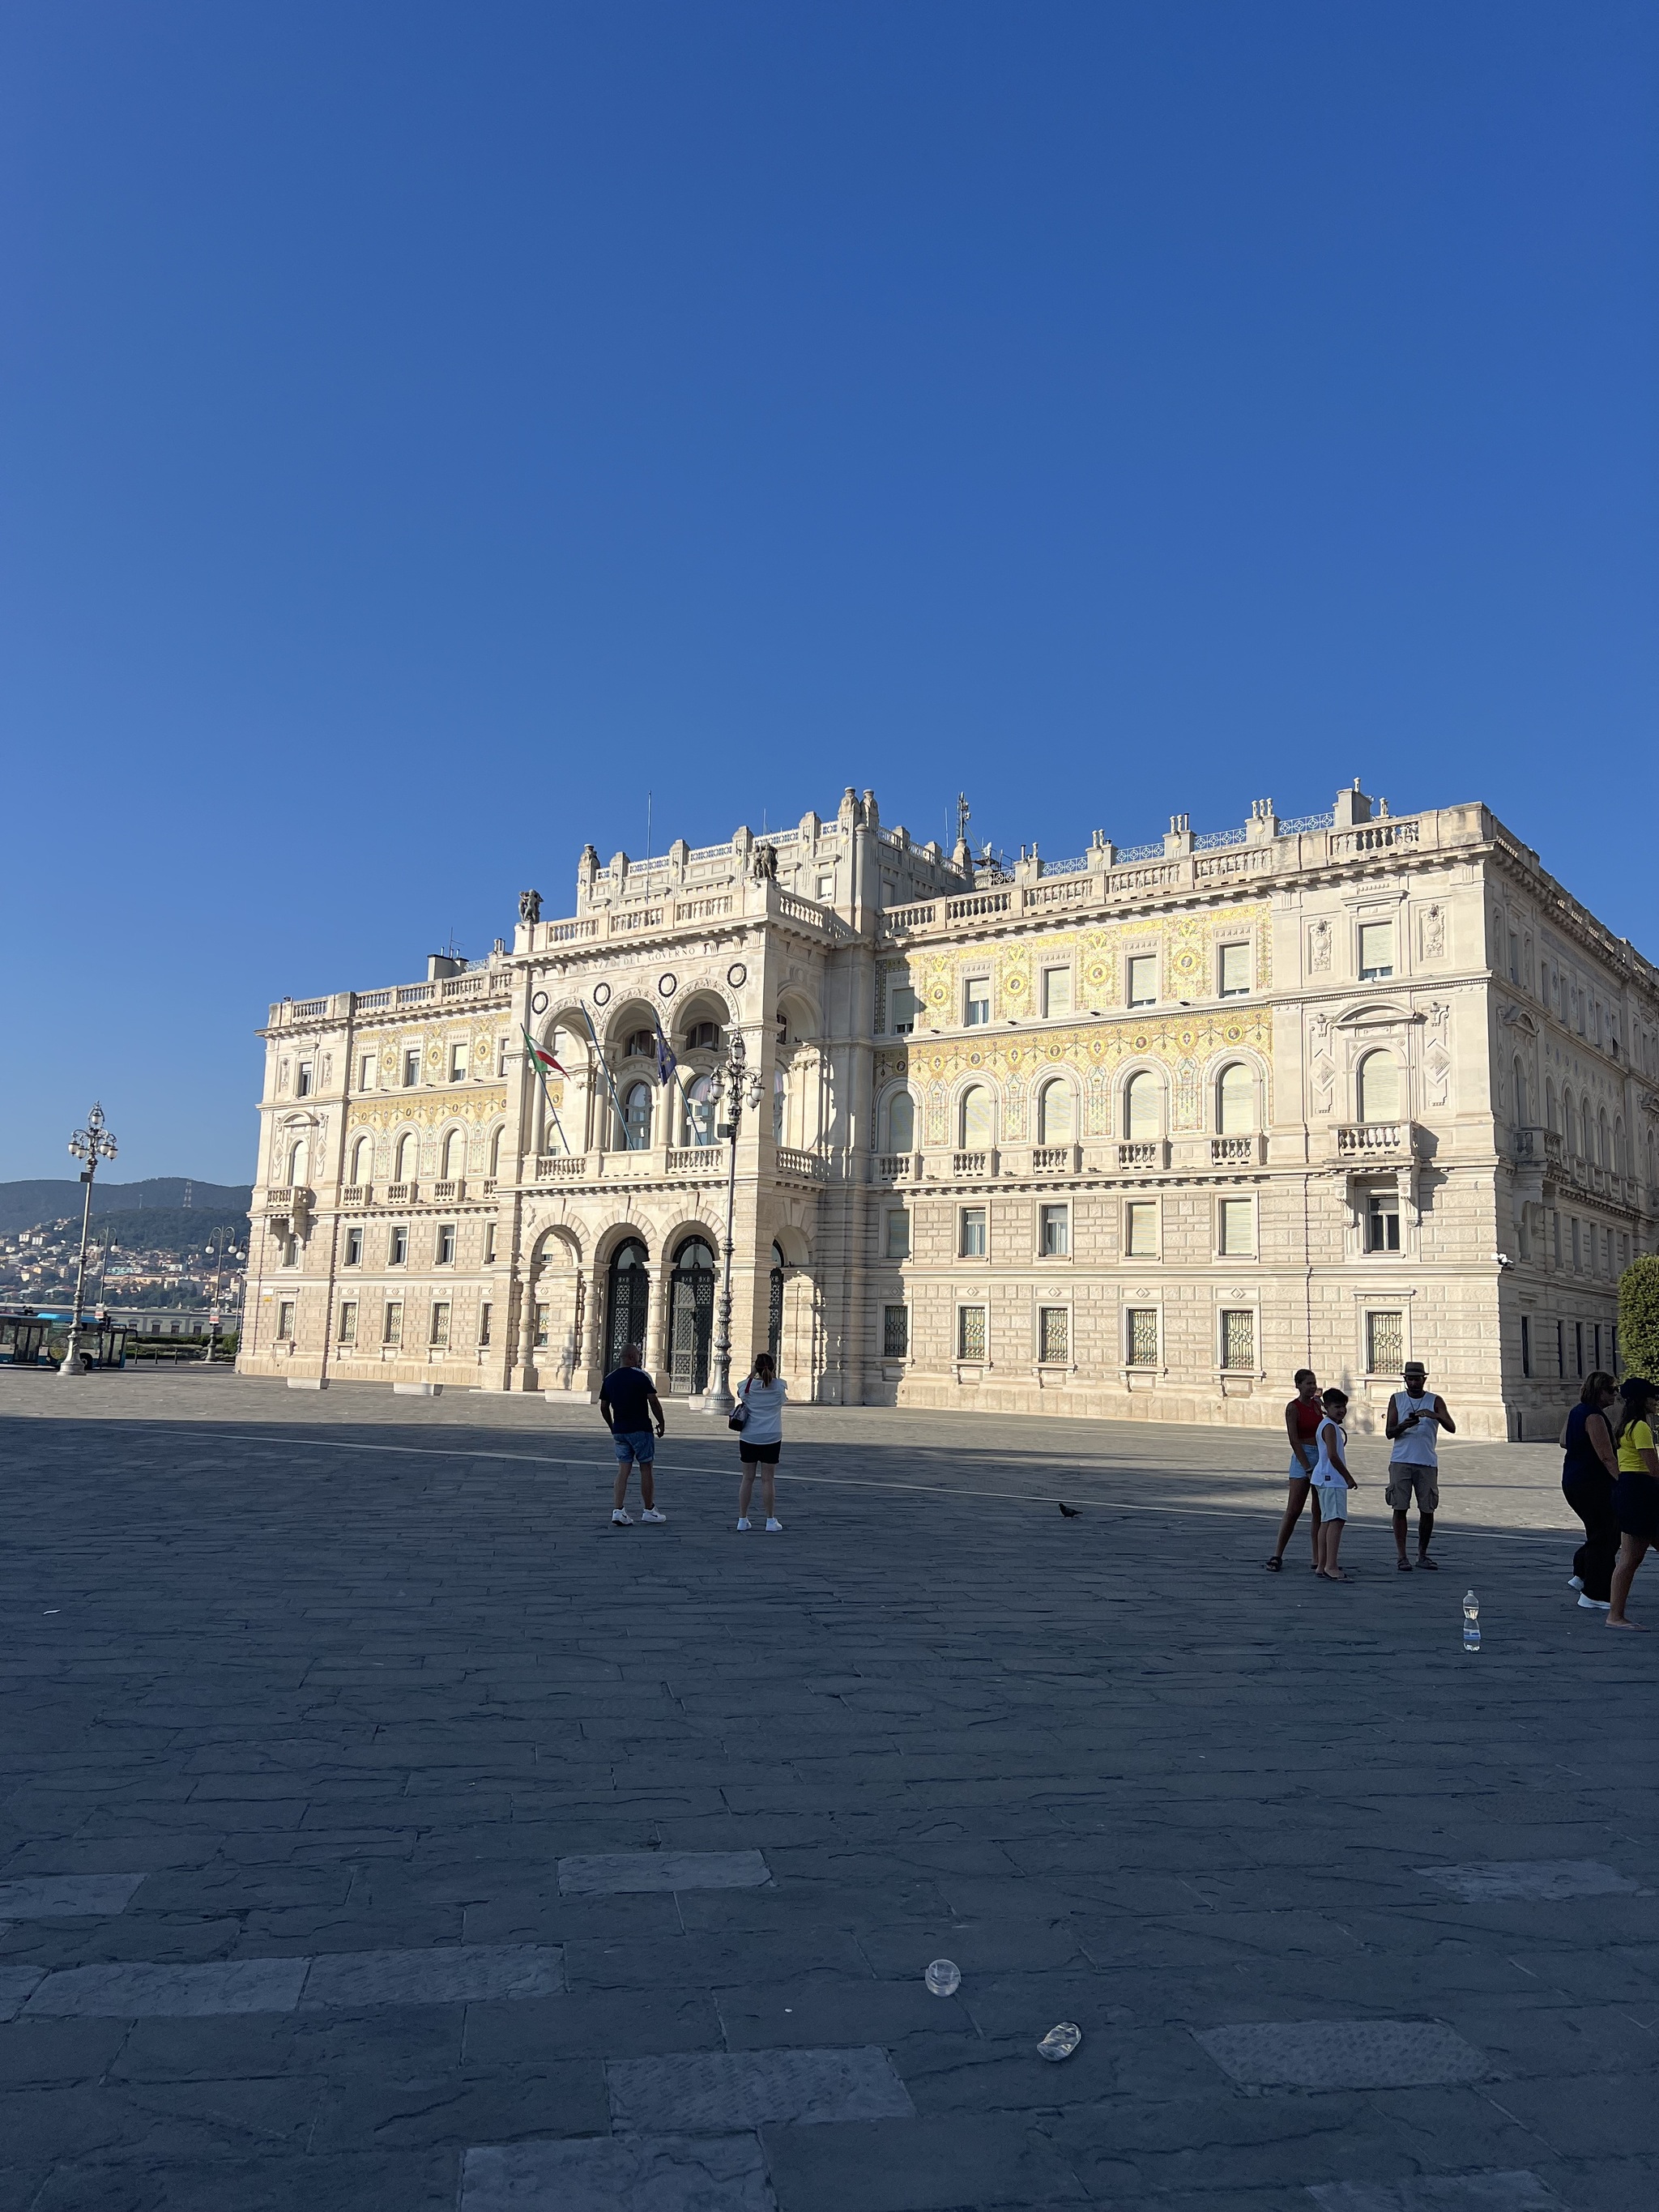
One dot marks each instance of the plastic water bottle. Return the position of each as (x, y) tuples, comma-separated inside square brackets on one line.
[(1471, 1621), (943, 1978)]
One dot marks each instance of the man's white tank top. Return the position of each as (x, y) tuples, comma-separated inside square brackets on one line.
[(1415, 1447)]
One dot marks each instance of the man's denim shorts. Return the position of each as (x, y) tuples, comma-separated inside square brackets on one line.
[(639, 1444)]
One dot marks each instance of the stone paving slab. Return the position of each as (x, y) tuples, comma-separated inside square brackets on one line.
[(1531, 1878), (1469, 2192), (609, 1874), (620, 2174), (70, 1896), (1345, 2054), (723, 2092)]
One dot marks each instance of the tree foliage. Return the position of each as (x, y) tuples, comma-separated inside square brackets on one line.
[(1638, 1318)]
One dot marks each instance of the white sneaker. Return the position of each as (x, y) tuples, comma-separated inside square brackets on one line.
[(743, 1524), (1595, 1604), (621, 1520), (1576, 1582), (775, 1528), (652, 1514)]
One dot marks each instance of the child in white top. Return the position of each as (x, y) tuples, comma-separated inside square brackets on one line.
[(1333, 1482)]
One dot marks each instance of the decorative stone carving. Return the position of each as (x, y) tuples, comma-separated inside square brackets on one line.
[(1319, 948), (1434, 933), (530, 907)]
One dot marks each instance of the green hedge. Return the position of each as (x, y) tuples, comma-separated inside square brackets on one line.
[(1638, 1318)]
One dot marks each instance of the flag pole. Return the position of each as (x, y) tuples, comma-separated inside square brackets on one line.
[(541, 1076), (605, 1070)]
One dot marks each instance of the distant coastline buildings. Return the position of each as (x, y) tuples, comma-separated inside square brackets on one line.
[(1135, 1133)]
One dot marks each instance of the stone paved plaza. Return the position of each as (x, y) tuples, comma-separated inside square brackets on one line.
[(384, 1831)]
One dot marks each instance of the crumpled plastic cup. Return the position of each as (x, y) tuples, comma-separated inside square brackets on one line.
[(1061, 2042), (943, 1978)]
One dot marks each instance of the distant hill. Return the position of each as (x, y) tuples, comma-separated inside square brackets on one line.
[(24, 1204)]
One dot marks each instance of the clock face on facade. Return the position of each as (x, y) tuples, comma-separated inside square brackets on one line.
[(737, 976)]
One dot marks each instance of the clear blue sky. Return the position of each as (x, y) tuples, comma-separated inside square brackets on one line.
[(423, 427)]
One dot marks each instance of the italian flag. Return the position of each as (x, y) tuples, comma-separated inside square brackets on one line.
[(545, 1060)]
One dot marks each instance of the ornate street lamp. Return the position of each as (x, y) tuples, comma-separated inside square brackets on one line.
[(733, 1087), (92, 1144)]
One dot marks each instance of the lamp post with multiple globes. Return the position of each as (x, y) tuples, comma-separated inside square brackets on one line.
[(735, 1087), (92, 1144)]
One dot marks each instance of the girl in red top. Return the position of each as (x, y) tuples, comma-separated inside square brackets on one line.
[(1302, 1419)]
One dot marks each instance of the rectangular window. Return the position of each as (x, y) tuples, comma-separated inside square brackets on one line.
[(1056, 991), (354, 1249), (1382, 1221), (1140, 1229), (1235, 965), (1560, 1347), (541, 1327), (1555, 1234), (1141, 1335), (976, 1012), (826, 890), (1385, 1343), (1578, 1247), (1595, 1353), (903, 1010), (285, 1321), (392, 1330), (971, 1244), (302, 1088), (1515, 957), (500, 1057), (1526, 1344), (970, 1333), (895, 1332), (1578, 1346), (1055, 1336), (458, 1063), (1056, 1237), (397, 1248), (485, 1312), (898, 1235), (1236, 1227), (441, 1323), (412, 1065), (349, 1321), (1238, 1339), (365, 1071), (290, 1251), (489, 1246), (1143, 978), (1376, 950), (444, 1249)]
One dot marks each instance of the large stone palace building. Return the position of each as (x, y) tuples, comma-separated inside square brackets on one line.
[(1137, 1133)]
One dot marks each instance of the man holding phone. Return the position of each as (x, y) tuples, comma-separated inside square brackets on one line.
[(1416, 1417)]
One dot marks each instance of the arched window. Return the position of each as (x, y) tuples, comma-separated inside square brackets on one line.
[(699, 1112), (362, 1160), (1569, 1123), (495, 1144), (454, 1155), (1378, 1087), (1520, 1093), (1550, 1122), (299, 1162), (977, 1121), (1603, 1150), (1143, 1103), (900, 1122), (779, 1105), (636, 1117), (642, 1044), (703, 1037), (409, 1157), (1235, 1101), (1621, 1154), (1056, 1113)]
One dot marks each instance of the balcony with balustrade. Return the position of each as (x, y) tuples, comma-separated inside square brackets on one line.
[(1381, 1143)]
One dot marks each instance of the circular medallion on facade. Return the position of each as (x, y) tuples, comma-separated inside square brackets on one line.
[(538, 1004), (602, 995), (667, 985), (737, 974)]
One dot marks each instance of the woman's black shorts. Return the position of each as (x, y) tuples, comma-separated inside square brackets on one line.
[(1636, 1502), (760, 1454)]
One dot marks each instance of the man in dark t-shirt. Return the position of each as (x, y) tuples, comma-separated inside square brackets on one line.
[(629, 1404)]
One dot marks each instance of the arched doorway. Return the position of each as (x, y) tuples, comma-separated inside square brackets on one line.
[(774, 1306), (626, 1298), (691, 1317)]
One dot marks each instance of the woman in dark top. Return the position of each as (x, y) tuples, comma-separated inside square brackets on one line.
[(1587, 1475)]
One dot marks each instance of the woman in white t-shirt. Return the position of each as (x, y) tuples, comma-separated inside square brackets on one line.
[(1332, 1483), (761, 1438)]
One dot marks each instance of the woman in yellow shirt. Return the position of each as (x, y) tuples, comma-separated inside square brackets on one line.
[(1635, 1495)]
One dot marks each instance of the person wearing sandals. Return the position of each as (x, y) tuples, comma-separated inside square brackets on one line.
[(1302, 1419), (1332, 1483), (1590, 1474), (1636, 1497), (761, 1438), (1415, 1419)]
